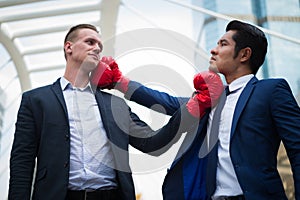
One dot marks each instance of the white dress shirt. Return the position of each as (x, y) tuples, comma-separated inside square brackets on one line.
[(226, 180), (91, 159)]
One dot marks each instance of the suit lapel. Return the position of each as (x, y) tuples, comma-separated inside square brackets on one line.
[(242, 101), (56, 88), (192, 139), (103, 111)]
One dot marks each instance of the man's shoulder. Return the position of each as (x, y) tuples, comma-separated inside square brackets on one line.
[(110, 95), (271, 81), (40, 90), (270, 85)]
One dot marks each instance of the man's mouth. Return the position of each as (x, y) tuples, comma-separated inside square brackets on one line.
[(97, 57)]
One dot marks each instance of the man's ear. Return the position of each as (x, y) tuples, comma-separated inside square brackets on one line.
[(245, 54), (68, 47)]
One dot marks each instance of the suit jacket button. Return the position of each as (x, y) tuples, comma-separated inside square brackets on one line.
[(66, 164), (67, 137)]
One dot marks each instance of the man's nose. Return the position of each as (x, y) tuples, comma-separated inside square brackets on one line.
[(213, 51), (98, 49)]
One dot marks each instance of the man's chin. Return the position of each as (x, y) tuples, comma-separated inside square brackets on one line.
[(90, 66), (213, 68)]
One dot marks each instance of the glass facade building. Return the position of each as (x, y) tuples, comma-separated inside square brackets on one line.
[(279, 16)]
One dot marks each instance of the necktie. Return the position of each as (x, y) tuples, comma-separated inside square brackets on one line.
[(210, 141), (227, 91)]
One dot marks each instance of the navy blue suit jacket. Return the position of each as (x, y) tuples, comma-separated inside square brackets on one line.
[(266, 114), (43, 133), (186, 177)]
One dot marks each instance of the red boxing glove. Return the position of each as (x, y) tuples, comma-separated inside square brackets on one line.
[(102, 76), (209, 88), (108, 76)]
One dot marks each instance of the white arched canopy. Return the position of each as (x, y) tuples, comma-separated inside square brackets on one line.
[(30, 32)]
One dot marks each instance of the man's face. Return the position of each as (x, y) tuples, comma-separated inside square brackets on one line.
[(86, 49), (222, 56)]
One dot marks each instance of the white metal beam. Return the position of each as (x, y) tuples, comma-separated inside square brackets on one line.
[(15, 2), (18, 60), (41, 30), (108, 21), (47, 68), (49, 11)]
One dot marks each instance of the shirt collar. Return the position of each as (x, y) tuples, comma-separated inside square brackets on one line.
[(65, 85), (240, 82)]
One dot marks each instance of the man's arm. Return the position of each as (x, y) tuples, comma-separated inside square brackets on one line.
[(185, 112), (151, 98), (23, 153), (208, 87), (286, 114), (159, 141), (108, 76)]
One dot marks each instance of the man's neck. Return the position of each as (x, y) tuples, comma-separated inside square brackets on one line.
[(77, 79)]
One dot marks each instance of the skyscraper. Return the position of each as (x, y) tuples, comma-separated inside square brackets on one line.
[(282, 17)]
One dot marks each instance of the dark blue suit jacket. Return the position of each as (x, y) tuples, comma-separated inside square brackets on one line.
[(43, 133), (266, 114), (186, 177)]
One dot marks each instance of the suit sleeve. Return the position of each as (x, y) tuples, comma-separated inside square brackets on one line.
[(159, 141), (23, 153), (151, 98), (286, 114)]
